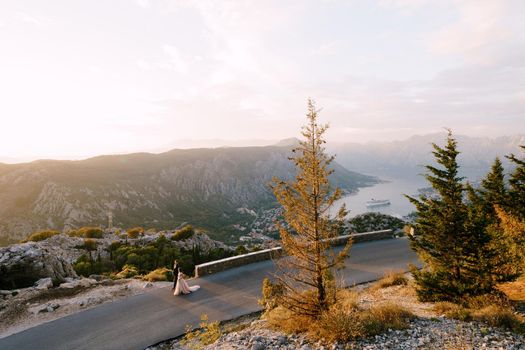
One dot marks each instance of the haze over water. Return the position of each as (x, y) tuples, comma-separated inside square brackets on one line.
[(393, 190)]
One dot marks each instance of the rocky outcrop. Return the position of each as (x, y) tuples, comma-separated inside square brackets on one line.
[(22, 265)]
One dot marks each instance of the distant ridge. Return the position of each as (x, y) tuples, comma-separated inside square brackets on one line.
[(407, 157), (202, 186), (290, 142)]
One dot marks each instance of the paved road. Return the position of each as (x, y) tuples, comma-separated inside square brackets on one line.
[(146, 319)]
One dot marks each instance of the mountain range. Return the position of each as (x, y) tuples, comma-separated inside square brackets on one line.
[(205, 187), (406, 158)]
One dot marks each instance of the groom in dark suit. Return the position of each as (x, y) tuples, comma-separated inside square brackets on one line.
[(176, 270)]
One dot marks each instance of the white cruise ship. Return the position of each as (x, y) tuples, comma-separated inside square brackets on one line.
[(377, 202)]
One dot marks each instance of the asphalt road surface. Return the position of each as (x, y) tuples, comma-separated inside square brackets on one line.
[(143, 320)]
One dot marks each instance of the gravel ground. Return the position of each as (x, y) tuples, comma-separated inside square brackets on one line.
[(435, 334)]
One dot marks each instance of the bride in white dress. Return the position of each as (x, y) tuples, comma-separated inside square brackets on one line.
[(182, 286)]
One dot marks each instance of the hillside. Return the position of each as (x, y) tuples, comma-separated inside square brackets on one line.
[(200, 186)]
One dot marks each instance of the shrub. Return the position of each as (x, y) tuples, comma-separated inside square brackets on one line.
[(90, 245), (128, 271), (207, 334), (41, 235), (285, 320), (184, 233), (343, 321), (91, 232), (338, 325), (270, 293), (380, 318), (160, 274), (73, 233), (135, 232), (503, 317), (392, 278), (83, 268), (87, 232), (241, 250), (490, 310)]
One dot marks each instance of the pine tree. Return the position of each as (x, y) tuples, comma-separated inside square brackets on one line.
[(485, 262), (442, 239), (306, 273), (517, 187), (493, 191), (492, 263)]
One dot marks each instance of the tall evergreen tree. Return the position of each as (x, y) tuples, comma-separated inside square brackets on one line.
[(517, 187), (493, 190), (305, 273), (442, 238)]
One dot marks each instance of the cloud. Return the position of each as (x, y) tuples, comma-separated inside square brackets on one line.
[(172, 61), (37, 21), (143, 3), (176, 62)]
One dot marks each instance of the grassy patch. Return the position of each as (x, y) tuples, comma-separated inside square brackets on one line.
[(343, 321), (207, 333), (515, 291), (491, 310), (391, 278)]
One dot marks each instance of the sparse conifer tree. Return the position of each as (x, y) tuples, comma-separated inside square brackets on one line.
[(306, 272)]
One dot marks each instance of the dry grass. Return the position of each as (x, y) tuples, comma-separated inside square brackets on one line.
[(515, 291), (491, 313), (391, 278), (343, 321), (160, 274)]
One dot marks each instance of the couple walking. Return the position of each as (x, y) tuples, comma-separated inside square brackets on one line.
[(180, 286)]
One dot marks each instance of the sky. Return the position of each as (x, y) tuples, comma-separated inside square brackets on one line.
[(82, 78)]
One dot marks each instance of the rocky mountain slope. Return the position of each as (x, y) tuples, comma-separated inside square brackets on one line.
[(202, 186)]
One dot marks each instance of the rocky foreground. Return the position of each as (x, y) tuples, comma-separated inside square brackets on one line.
[(429, 330), (439, 333)]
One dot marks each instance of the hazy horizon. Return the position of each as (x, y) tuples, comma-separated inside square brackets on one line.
[(220, 143), (86, 78)]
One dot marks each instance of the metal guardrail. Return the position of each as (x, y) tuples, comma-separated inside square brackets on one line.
[(273, 253)]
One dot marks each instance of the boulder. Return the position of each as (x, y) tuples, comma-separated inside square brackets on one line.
[(82, 282), (44, 283), (21, 265)]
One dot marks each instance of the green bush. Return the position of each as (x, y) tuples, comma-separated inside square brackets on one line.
[(184, 233), (40, 236), (240, 250), (83, 268)]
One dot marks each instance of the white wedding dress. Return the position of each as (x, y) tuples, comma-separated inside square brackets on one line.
[(182, 286)]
